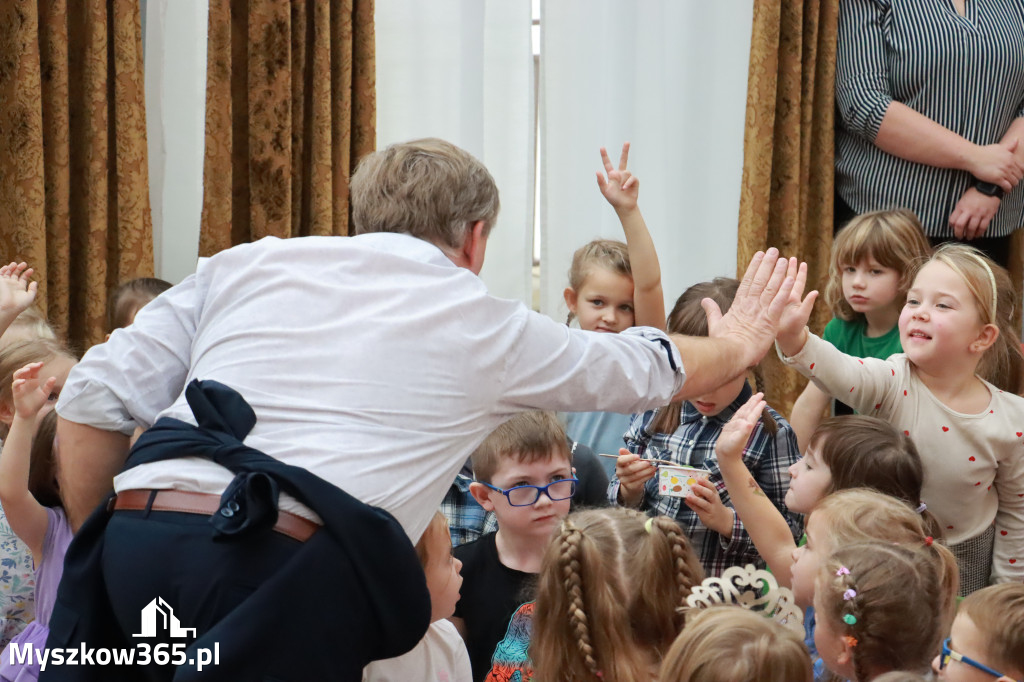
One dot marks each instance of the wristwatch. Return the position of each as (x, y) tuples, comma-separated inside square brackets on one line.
[(989, 189)]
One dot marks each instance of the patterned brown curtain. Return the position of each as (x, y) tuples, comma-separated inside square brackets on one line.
[(787, 195), (74, 192), (290, 109)]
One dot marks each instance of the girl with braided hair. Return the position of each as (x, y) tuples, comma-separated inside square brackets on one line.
[(883, 607), (610, 598)]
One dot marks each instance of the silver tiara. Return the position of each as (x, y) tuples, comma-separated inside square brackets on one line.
[(752, 588)]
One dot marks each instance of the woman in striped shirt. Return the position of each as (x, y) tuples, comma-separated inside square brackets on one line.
[(930, 96)]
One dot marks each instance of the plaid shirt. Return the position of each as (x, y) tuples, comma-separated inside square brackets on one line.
[(466, 518), (767, 456)]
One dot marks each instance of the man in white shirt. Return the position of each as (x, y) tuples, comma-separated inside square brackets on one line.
[(379, 361)]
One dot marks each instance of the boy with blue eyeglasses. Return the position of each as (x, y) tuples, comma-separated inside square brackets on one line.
[(524, 475), (986, 641)]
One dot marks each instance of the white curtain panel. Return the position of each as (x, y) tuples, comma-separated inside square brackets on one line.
[(669, 76), (462, 70), (175, 69)]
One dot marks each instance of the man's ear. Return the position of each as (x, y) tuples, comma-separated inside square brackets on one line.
[(474, 247), (482, 494)]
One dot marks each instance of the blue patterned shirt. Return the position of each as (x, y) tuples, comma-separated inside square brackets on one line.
[(768, 457), (467, 520)]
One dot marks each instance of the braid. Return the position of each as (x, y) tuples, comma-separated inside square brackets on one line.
[(853, 619), (686, 576), (867, 590), (569, 559)]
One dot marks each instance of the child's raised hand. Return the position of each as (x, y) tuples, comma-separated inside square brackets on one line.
[(737, 430), (17, 291), (707, 503), (29, 394), (797, 311), (633, 472), (621, 187)]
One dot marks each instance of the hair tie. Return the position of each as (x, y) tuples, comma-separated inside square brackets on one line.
[(928, 541), (843, 570), (850, 640), (921, 508), (850, 619), (649, 524), (849, 594)]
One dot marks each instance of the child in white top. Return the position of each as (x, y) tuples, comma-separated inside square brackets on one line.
[(612, 287), (970, 433), (441, 655)]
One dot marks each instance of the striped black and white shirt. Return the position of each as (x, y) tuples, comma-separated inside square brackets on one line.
[(964, 72)]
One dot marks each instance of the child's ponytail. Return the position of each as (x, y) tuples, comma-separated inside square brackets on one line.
[(670, 571)]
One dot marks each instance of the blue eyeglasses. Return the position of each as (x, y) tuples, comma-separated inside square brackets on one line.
[(525, 495), (948, 653)]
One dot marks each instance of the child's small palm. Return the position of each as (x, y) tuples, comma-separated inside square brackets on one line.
[(30, 395), (737, 430), (17, 291)]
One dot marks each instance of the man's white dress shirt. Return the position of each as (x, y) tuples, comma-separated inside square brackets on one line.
[(372, 361)]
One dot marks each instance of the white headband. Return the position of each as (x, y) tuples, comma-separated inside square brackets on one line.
[(991, 281)]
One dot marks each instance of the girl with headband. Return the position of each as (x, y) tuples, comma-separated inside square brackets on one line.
[(955, 326)]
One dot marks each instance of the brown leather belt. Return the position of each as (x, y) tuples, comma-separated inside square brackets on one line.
[(292, 525)]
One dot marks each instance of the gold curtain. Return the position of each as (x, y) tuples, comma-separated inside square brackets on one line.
[(290, 109), (786, 199), (74, 193)]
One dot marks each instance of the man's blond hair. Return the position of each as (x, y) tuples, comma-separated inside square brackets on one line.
[(429, 189)]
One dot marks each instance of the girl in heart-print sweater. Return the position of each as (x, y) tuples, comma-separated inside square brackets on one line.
[(968, 431)]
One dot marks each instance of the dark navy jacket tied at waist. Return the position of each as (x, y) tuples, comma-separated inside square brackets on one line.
[(386, 612)]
